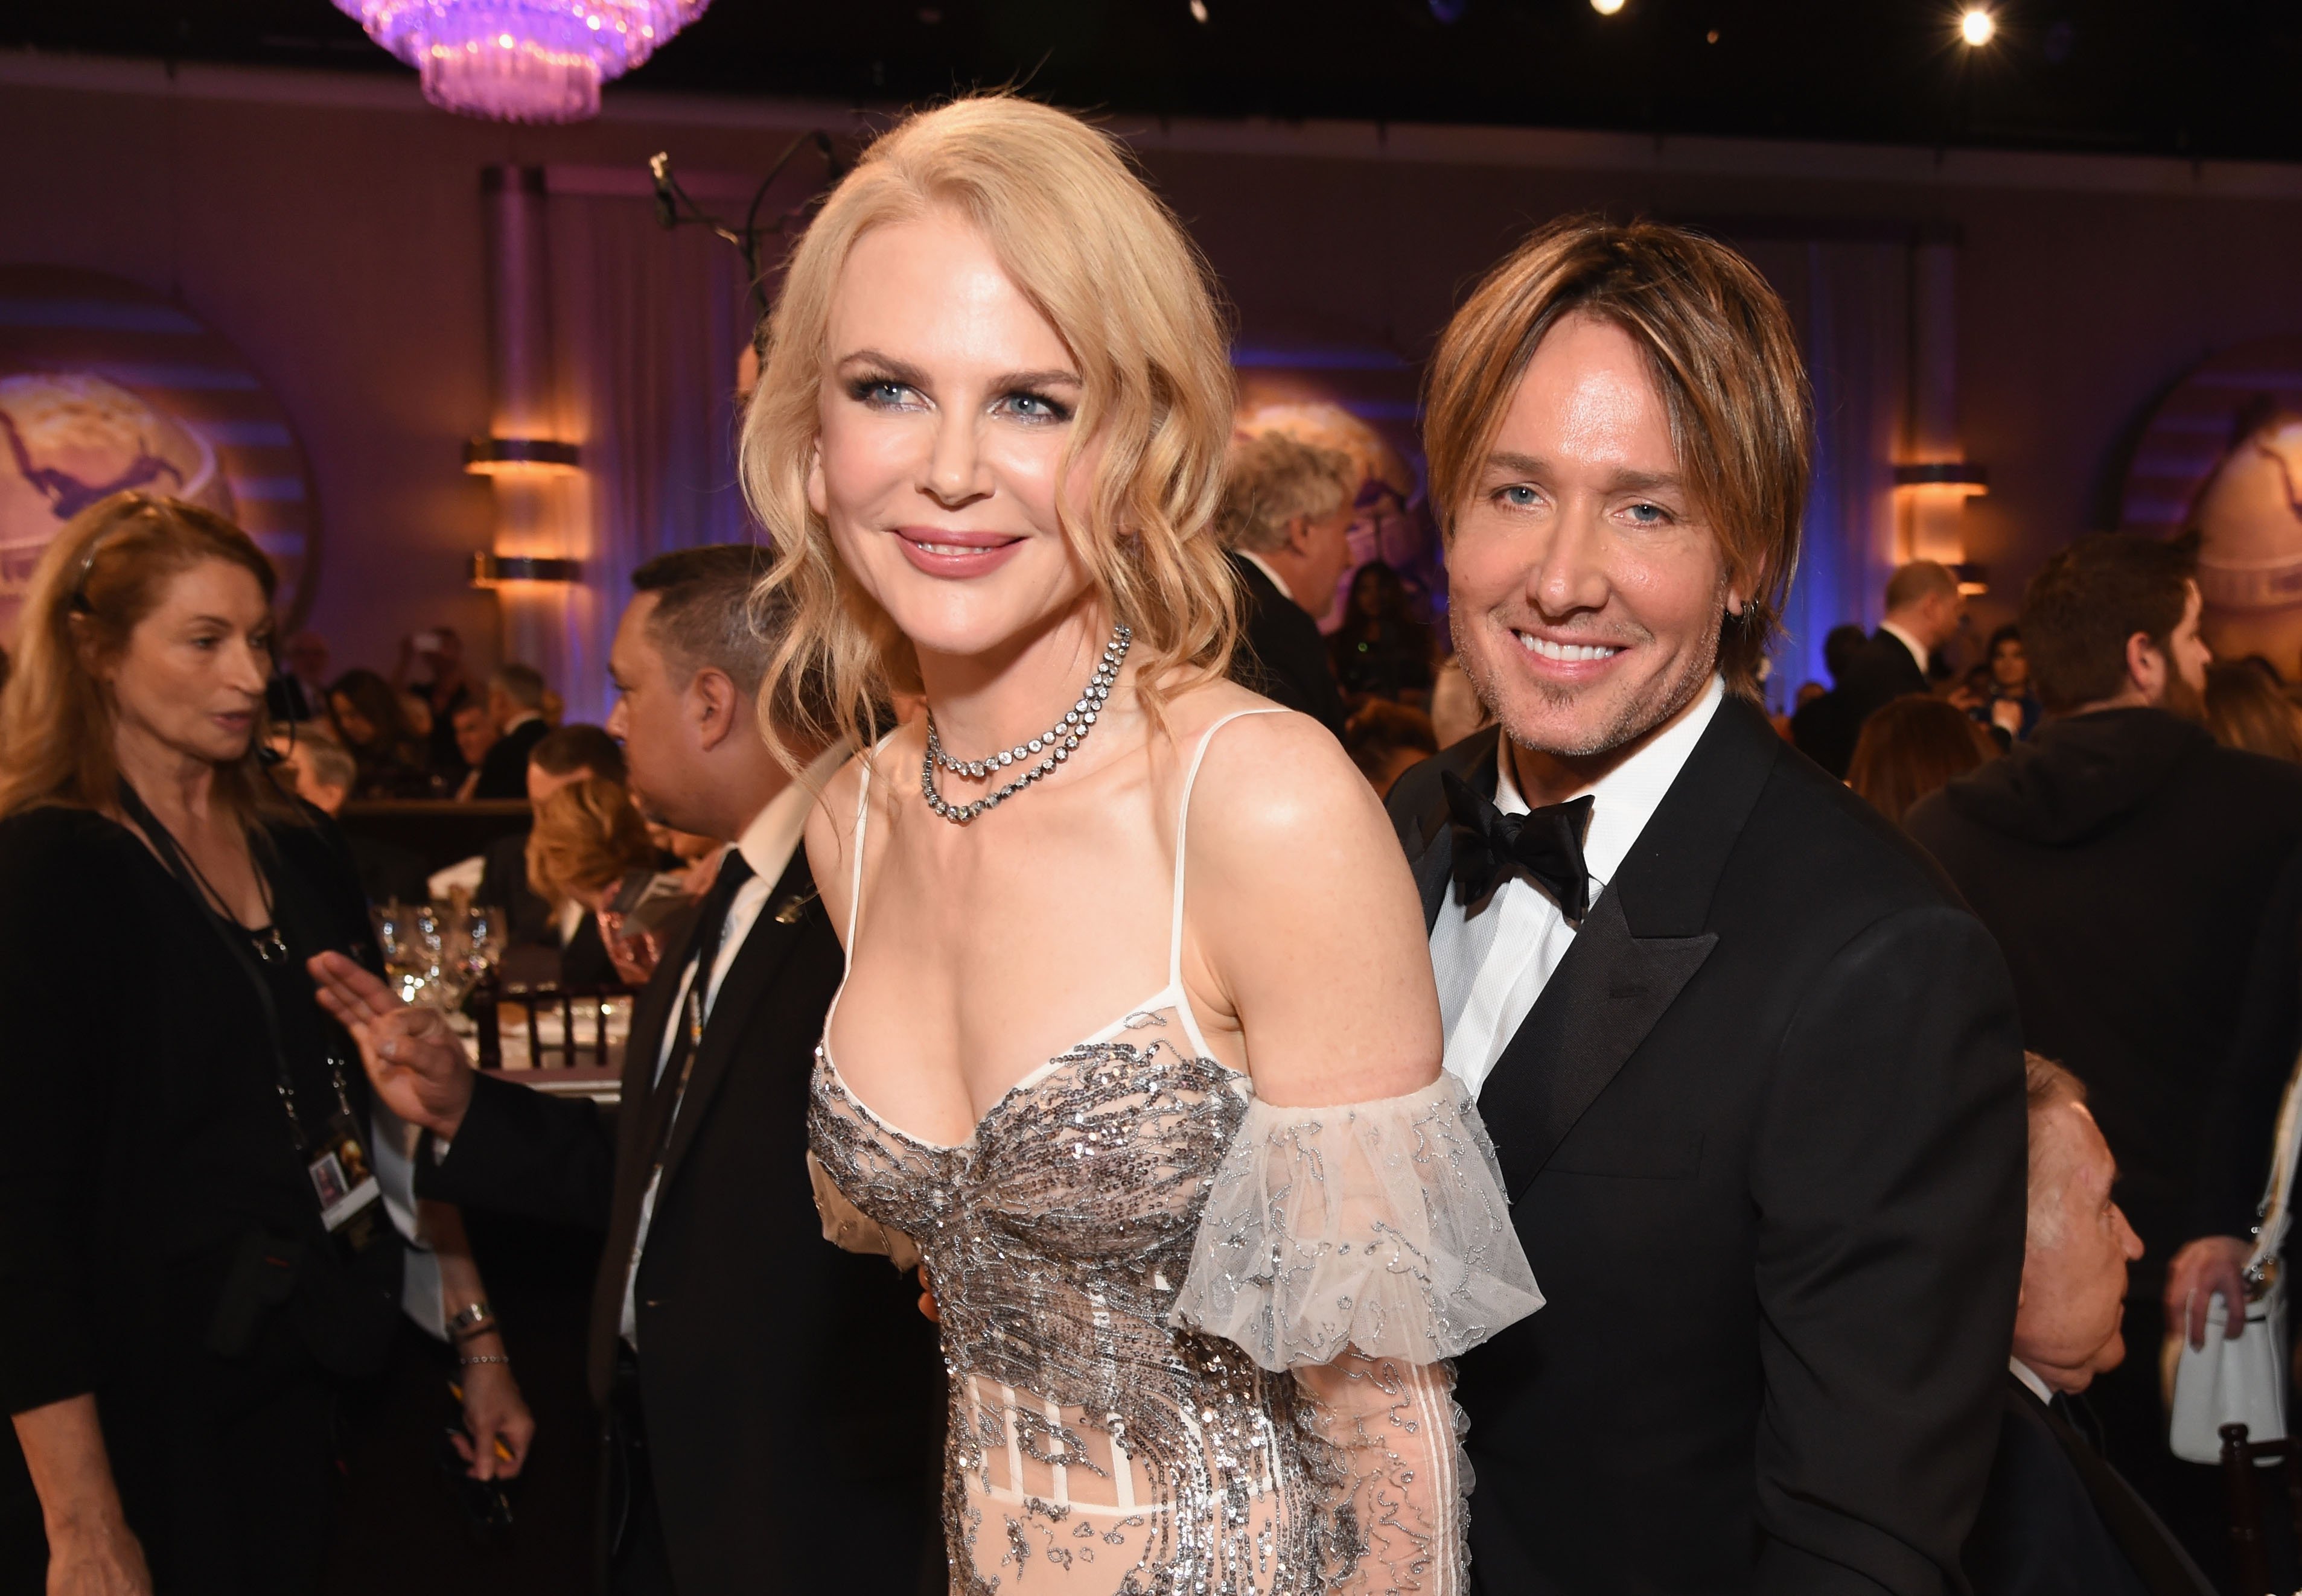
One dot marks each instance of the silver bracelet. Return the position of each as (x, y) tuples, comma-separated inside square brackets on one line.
[(484, 1357)]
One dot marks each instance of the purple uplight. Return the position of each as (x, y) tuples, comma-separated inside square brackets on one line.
[(521, 60)]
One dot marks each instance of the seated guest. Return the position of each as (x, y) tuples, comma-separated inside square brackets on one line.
[(515, 696), (2057, 1520), (321, 774), (1911, 747), (443, 686), (1286, 519), (1386, 740), (475, 734), (588, 840), (498, 877), (2246, 709), (299, 687), (1382, 649), (372, 726)]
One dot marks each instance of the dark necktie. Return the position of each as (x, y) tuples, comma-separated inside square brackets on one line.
[(1546, 843), (687, 1021)]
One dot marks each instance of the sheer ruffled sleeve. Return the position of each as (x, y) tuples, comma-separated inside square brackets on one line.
[(1361, 1246), (1379, 1228)]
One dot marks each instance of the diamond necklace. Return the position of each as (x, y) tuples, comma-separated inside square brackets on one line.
[(1050, 749)]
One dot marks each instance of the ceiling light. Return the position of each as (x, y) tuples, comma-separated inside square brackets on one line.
[(1978, 27), (538, 61), (1605, 8), (1198, 11)]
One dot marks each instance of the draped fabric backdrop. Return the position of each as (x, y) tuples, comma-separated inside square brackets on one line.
[(1850, 301), (648, 325)]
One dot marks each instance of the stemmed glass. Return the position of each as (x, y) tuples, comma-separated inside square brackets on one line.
[(408, 934), (472, 944)]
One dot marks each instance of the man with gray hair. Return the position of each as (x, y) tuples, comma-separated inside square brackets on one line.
[(1286, 519), (516, 705), (2057, 1520)]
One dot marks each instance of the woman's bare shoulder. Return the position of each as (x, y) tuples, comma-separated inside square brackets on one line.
[(1276, 788)]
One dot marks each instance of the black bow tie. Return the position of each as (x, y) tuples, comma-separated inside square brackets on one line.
[(1546, 843)]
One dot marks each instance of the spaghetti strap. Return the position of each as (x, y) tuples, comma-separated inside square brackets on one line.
[(855, 872), (1175, 912)]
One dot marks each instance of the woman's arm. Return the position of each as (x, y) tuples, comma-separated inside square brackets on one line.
[(1302, 927), (91, 1549), (495, 1416), (1362, 1185)]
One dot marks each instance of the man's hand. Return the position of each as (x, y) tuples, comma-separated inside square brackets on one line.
[(415, 1063), (2204, 1267)]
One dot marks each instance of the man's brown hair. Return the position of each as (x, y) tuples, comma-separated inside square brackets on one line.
[(2078, 613), (1723, 357)]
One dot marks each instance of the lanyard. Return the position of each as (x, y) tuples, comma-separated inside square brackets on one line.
[(236, 942)]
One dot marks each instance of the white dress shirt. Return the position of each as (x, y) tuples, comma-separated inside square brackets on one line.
[(1493, 957), (2029, 1377), (1918, 650), (1277, 581), (766, 845)]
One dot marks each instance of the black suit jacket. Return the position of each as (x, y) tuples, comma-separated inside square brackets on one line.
[(1881, 671), (1284, 656), (792, 1392), (1764, 1136), (2059, 1521), (503, 768)]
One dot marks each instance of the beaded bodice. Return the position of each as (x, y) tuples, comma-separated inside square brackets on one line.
[(1092, 1447), (1196, 1344)]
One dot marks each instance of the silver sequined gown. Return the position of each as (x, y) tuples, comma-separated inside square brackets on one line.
[(1196, 1344)]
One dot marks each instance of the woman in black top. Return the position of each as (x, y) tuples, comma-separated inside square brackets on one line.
[(1381, 651), (193, 1257), (373, 727)]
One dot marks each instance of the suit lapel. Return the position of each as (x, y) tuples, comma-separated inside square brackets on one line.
[(1642, 943), (766, 947), (2165, 1568)]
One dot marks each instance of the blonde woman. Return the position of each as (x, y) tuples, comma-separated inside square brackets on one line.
[(1139, 1048)]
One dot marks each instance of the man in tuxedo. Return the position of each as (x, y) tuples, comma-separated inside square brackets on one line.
[(2057, 1519), (2129, 865), (1924, 611), (773, 1404), (1286, 519), (516, 705), (1751, 1071)]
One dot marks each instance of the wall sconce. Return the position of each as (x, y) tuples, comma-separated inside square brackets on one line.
[(493, 570), (1964, 478), (1973, 578), (503, 456)]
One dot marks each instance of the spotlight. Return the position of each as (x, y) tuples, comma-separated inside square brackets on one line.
[(1605, 8), (1978, 27), (1198, 11)]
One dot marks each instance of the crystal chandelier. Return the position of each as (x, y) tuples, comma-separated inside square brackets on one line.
[(521, 60)]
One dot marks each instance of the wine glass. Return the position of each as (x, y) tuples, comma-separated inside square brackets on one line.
[(409, 938)]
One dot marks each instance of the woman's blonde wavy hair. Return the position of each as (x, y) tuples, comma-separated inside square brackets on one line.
[(105, 571), (1111, 269)]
